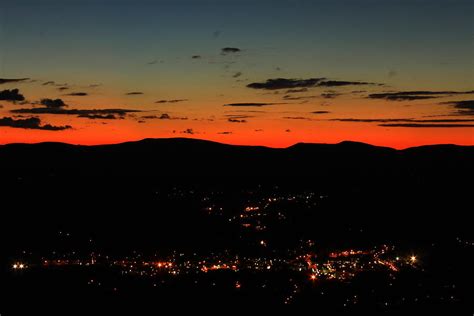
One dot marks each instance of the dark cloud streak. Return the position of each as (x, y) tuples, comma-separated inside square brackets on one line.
[(30, 123), (415, 95), (284, 83), (4, 80), (250, 104)]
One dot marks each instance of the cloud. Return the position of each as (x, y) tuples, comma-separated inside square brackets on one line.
[(53, 83), (416, 125), (320, 112), (100, 116), (233, 120), (415, 95), (172, 101), (53, 104), (249, 104), (4, 80), (63, 88), (465, 107), (230, 50), (77, 94), (330, 95), (339, 83), (466, 104), (134, 93), (224, 133), (300, 90), (235, 116), (11, 95), (292, 98), (283, 83), (401, 120), (196, 57), (297, 118), (237, 75), (189, 131), (30, 123), (61, 111), (163, 116), (365, 120)]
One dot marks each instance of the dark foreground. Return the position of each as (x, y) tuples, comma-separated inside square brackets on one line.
[(186, 223)]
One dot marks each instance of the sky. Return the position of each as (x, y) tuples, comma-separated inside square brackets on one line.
[(274, 73)]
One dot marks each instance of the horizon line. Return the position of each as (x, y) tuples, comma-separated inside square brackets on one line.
[(228, 144)]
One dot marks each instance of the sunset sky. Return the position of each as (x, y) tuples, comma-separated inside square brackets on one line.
[(273, 73)]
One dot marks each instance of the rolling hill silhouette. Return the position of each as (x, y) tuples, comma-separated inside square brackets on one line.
[(114, 191), (193, 157)]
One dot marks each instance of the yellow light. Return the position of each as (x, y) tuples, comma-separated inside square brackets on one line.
[(413, 258), (21, 266), (313, 277), (15, 266)]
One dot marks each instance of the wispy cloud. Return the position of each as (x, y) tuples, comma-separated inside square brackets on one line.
[(77, 94), (4, 80), (406, 120), (164, 116), (465, 107), (172, 101), (249, 104), (233, 120), (284, 83), (230, 50), (62, 111), (415, 125), (415, 95), (100, 116), (293, 98)]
